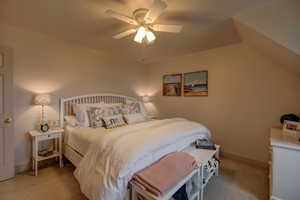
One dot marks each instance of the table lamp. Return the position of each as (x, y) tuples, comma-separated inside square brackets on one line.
[(43, 100)]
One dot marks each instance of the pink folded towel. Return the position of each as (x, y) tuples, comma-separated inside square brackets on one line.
[(166, 173)]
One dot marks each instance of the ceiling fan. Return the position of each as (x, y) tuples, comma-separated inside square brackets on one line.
[(144, 19)]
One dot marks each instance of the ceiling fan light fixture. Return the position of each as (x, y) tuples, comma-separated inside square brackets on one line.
[(144, 20), (150, 36), (141, 33)]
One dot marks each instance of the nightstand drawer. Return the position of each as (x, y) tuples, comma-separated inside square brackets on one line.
[(48, 136)]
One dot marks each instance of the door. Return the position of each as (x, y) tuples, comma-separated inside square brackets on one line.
[(6, 122)]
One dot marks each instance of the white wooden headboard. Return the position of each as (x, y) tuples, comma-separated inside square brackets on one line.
[(66, 104)]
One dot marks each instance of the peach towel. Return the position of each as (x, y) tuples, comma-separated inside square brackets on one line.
[(166, 173)]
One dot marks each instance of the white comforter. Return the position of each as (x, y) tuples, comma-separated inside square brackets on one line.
[(114, 157)]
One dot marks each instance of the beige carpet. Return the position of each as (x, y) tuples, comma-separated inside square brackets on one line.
[(236, 182)]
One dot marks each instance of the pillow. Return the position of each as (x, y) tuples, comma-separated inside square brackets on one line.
[(80, 111), (135, 118), (131, 108), (71, 121), (114, 121), (96, 114), (144, 110)]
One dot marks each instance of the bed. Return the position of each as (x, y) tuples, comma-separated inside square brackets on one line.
[(72, 153), (106, 160)]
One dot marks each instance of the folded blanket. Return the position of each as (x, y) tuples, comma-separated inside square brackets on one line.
[(166, 173)]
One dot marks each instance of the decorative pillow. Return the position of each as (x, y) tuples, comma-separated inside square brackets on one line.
[(114, 121), (80, 111), (131, 108), (144, 110), (96, 114), (71, 121), (134, 118)]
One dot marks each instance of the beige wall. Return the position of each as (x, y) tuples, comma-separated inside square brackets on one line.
[(45, 65), (247, 95)]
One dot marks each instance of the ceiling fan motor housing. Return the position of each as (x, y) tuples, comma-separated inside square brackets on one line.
[(139, 15)]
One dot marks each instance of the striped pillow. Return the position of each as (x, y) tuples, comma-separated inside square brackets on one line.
[(114, 121)]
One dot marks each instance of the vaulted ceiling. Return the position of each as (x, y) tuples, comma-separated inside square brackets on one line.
[(205, 22), (273, 30)]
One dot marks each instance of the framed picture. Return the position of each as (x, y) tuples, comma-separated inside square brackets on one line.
[(291, 128), (196, 84), (172, 85)]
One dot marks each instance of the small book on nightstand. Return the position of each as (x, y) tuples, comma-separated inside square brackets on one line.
[(205, 144)]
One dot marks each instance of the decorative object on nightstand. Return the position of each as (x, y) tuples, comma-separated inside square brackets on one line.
[(53, 125), (291, 128), (56, 152), (43, 100), (289, 117)]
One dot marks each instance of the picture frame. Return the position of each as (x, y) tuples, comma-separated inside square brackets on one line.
[(172, 85), (195, 84), (291, 128)]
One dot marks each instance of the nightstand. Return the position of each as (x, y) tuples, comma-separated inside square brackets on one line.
[(38, 136)]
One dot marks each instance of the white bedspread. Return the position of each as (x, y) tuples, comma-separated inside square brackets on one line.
[(80, 139), (114, 157)]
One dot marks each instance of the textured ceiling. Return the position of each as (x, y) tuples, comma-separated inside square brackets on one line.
[(206, 23)]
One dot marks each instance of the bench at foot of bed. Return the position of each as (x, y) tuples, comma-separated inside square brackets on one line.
[(195, 182)]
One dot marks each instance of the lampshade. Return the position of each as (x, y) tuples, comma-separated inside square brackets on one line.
[(150, 36), (141, 33), (146, 99), (42, 99)]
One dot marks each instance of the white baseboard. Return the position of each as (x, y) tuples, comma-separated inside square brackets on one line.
[(248, 161), (22, 168), (274, 198), (27, 166)]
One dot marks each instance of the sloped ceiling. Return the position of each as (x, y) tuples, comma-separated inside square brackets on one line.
[(270, 48), (279, 21), (205, 23)]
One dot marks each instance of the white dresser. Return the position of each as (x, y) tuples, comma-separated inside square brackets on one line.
[(284, 166)]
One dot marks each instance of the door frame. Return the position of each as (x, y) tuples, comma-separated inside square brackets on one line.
[(8, 111)]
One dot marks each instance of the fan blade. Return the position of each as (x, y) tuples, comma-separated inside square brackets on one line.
[(121, 17), (124, 34), (155, 11), (167, 28)]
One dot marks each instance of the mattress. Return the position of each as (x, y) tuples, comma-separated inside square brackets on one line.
[(79, 139)]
